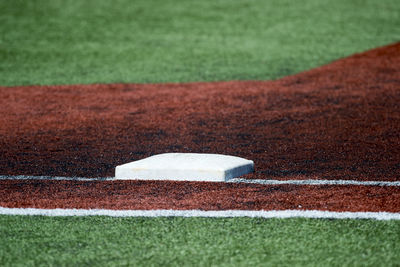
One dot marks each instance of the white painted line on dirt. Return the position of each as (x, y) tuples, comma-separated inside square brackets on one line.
[(314, 182), (202, 213), (56, 178), (185, 167), (234, 180)]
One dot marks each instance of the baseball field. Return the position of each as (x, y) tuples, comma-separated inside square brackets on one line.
[(309, 90)]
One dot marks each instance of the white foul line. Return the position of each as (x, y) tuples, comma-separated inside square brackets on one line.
[(202, 213), (234, 180), (314, 182), (55, 178)]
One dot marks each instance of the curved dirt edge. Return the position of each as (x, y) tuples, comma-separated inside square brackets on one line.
[(340, 121)]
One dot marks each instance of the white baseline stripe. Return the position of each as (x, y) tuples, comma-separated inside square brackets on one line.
[(234, 180), (202, 213), (315, 182), (56, 178)]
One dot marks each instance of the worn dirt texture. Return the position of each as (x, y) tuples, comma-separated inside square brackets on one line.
[(339, 121), (194, 195)]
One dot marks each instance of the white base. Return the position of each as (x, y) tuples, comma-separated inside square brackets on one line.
[(185, 167)]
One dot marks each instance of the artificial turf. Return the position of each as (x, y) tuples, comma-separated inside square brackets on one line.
[(105, 241), (99, 41)]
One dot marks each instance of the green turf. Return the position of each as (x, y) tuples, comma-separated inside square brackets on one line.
[(197, 241), (68, 42), (102, 41)]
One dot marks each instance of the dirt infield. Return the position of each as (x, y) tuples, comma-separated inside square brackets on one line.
[(131, 195), (340, 121)]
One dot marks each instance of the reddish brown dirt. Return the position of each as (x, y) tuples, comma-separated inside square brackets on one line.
[(195, 195), (340, 121)]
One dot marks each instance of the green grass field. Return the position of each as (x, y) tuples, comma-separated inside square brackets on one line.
[(68, 42), (98, 41), (103, 241)]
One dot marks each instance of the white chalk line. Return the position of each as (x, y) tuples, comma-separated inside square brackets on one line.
[(201, 213), (317, 214), (55, 178), (315, 182), (234, 180)]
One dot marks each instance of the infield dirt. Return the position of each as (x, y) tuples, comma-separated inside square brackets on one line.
[(339, 121), (130, 195)]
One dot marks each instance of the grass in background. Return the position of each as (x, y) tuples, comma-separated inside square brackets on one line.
[(102, 241), (101, 41)]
